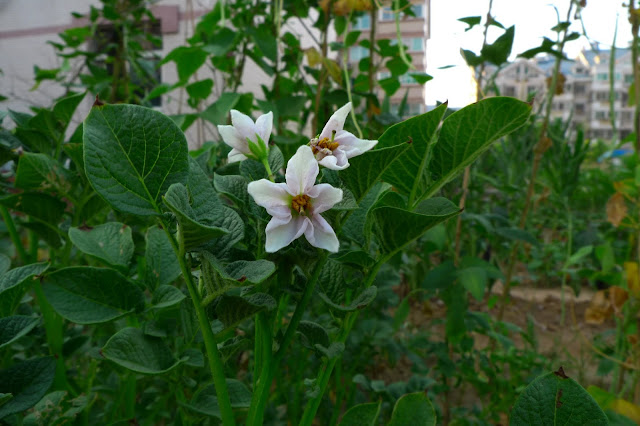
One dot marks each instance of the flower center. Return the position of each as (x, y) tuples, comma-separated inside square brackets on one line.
[(322, 144), (300, 203)]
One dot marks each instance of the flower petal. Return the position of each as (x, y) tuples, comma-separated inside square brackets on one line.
[(324, 196), (321, 235), (281, 232), (231, 137), (302, 170), (336, 122), (352, 145), (244, 125), (337, 161), (264, 125), (272, 196), (236, 155)]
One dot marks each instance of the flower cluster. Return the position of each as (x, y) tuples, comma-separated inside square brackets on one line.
[(296, 204)]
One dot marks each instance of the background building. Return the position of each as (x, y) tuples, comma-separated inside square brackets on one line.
[(414, 33), (585, 99)]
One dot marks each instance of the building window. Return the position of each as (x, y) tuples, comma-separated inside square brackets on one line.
[(579, 89), (386, 14), (418, 10), (628, 78), (362, 22), (531, 90), (410, 110), (580, 109), (625, 116), (358, 52), (559, 106), (510, 91), (602, 76), (601, 115), (601, 96)]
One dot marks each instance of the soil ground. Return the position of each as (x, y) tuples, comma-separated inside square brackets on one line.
[(569, 345)]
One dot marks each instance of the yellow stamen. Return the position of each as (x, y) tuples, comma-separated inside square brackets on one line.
[(324, 143), (300, 202)]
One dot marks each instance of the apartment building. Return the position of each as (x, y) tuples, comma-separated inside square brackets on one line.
[(414, 32), (586, 98)]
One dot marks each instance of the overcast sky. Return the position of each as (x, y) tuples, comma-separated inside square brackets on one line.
[(533, 19)]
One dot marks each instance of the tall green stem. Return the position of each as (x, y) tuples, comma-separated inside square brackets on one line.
[(261, 393), (211, 346), (329, 364), (13, 234)]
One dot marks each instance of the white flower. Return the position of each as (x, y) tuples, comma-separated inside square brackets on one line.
[(243, 131), (296, 205), (334, 146)]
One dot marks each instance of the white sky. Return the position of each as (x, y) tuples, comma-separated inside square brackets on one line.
[(533, 19)]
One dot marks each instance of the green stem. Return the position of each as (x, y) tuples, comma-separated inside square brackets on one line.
[(13, 234), (53, 326), (329, 364), (347, 83), (569, 250), (261, 393), (263, 385), (265, 163), (211, 346), (130, 396)]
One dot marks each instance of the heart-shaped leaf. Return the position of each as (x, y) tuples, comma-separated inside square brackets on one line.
[(132, 155), (139, 352), (110, 242)]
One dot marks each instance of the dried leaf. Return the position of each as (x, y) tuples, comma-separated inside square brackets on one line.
[(313, 56), (617, 297), (616, 209), (633, 278), (334, 70), (599, 309)]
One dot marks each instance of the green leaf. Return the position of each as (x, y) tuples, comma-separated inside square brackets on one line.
[(362, 415), (471, 58), (313, 334), (27, 382), (410, 174), (136, 351), (39, 171), (360, 302), (219, 278), (88, 295), (5, 264), (421, 78), (354, 226), (517, 234), (110, 242), (207, 211), (498, 52), (132, 155), (233, 186), (413, 409), (187, 59), (64, 109), (365, 170), (351, 38), (471, 21), (474, 279), (396, 227), (14, 327), (469, 132), (579, 255), (390, 85), (334, 350), (232, 310), (200, 89), (14, 283), (218, 111), (205, 400), (166, 296), (194, 230), (555, 399), (46, 208), (355, 258), (162, 266)]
